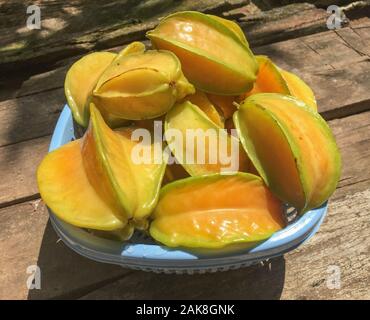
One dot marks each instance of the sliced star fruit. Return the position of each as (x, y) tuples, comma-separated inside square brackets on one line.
[(299, 89), (272, 79), (292, 148), (68, 192), (82, 77), (140, 86), (213, 56), (135, 181), (224, 103), (95, 183), (217, 150), (201, 100), (215, 211)]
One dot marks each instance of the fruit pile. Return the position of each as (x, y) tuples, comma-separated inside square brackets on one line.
[(201, 75)]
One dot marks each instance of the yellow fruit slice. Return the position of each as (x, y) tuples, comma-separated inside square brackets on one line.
[(135, 184), (213, 57), (202, 147), (292, 148), (201, 100), (141, 86), (215, 211), (132, 48), (231, 25), (68, 192), (80, 81), (82, 77), (272, 79), (269, 78), (299, 89)]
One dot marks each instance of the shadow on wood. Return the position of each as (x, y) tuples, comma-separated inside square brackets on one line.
[(67, 275), (64, 274), (255, 282)]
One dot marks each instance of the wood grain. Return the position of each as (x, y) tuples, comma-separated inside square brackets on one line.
[(77, 27), (26, 239), (18, 164), (336, 66), (282, 23), (352, 136), (30, 117)]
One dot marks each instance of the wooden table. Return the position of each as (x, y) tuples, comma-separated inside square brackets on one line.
[(335, 63)]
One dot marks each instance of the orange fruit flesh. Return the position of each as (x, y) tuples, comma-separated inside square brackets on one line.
[(209, 142), (224, 103), (268, 79)]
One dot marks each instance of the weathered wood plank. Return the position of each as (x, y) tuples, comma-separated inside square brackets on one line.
[(18, 164), (334, 67), (335, 64), (112, 28), (73, 28), (341, 246), (30, 117), (260, 25), (353, 139), (22, 242), (282, 23), (27, 239)]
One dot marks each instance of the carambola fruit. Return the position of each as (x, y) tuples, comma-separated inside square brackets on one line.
[(213, 54), (94, 183), (224, 103), (66, 189), (82, 77), (221, 152), (269, 78), (272, 79), (80, 81), (142, 85), (299, 89), (135, 185), (291, 147), (201, 100), (215, 211), (231, 25)]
